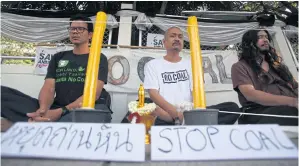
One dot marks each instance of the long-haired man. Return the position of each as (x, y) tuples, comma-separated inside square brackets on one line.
[(263, 82)]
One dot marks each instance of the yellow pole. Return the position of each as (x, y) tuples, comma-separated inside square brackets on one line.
[(92, 71), (199, 97)]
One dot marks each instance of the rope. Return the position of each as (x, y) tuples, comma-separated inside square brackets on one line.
[(270, 115)]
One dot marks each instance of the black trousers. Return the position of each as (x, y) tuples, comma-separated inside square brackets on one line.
[(15, 105), (222, 117), (274, 110)]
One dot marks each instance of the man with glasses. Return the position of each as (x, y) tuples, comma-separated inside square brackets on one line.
[(64, 83)]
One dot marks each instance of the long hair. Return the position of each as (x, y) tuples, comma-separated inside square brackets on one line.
[(251, 54)]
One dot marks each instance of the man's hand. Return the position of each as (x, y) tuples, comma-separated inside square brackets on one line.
[(165, 116), (51, 115), (42, 111), (181, 116), (161, 102), (76, 104)]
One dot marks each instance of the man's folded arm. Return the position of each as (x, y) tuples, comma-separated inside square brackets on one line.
[(264, 98), (242, 82), (47, 93), (162, 103)]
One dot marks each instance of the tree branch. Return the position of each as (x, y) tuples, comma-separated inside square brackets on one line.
[(163, 7), (278, 10), (289, 6)]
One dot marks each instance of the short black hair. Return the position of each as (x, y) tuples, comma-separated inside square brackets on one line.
[(83, 18)]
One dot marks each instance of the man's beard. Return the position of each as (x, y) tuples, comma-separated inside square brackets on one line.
[(177, 49), (264, 52), (259, 58)]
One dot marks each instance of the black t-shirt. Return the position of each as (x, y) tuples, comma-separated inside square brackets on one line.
[(69, 71)]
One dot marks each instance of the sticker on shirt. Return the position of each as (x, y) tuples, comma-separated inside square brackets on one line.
[(81, 69), (63, 63), (175, 77)]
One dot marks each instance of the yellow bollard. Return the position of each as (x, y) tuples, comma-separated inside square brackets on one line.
[(199, 97), (92, 71)]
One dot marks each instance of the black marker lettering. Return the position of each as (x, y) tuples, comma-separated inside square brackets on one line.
[(265, 138), (231, 140), (106, 142), (23, 142), (284, 146), (178, 133), (87, 142), (75, 131), (41, 134), (105, 127), (99, 141), (210, 133), (12, 135), (56, 133), (160, 134), (188, 142), (248, 142), (129, 145)]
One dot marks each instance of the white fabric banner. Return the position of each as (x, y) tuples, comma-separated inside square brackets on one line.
[(211, 34), (126, 67), (37, 29)]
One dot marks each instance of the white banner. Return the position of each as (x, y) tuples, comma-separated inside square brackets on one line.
[(154, 40), (87, 141), (126, 67), (43, 57), (220, 142)]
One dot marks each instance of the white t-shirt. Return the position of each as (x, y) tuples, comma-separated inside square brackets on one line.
[(172, 80)]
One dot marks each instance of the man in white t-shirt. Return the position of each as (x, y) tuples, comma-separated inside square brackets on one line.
[(169, 82), (169, 79)]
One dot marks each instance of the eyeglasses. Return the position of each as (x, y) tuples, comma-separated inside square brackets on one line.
[(76, 29)]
